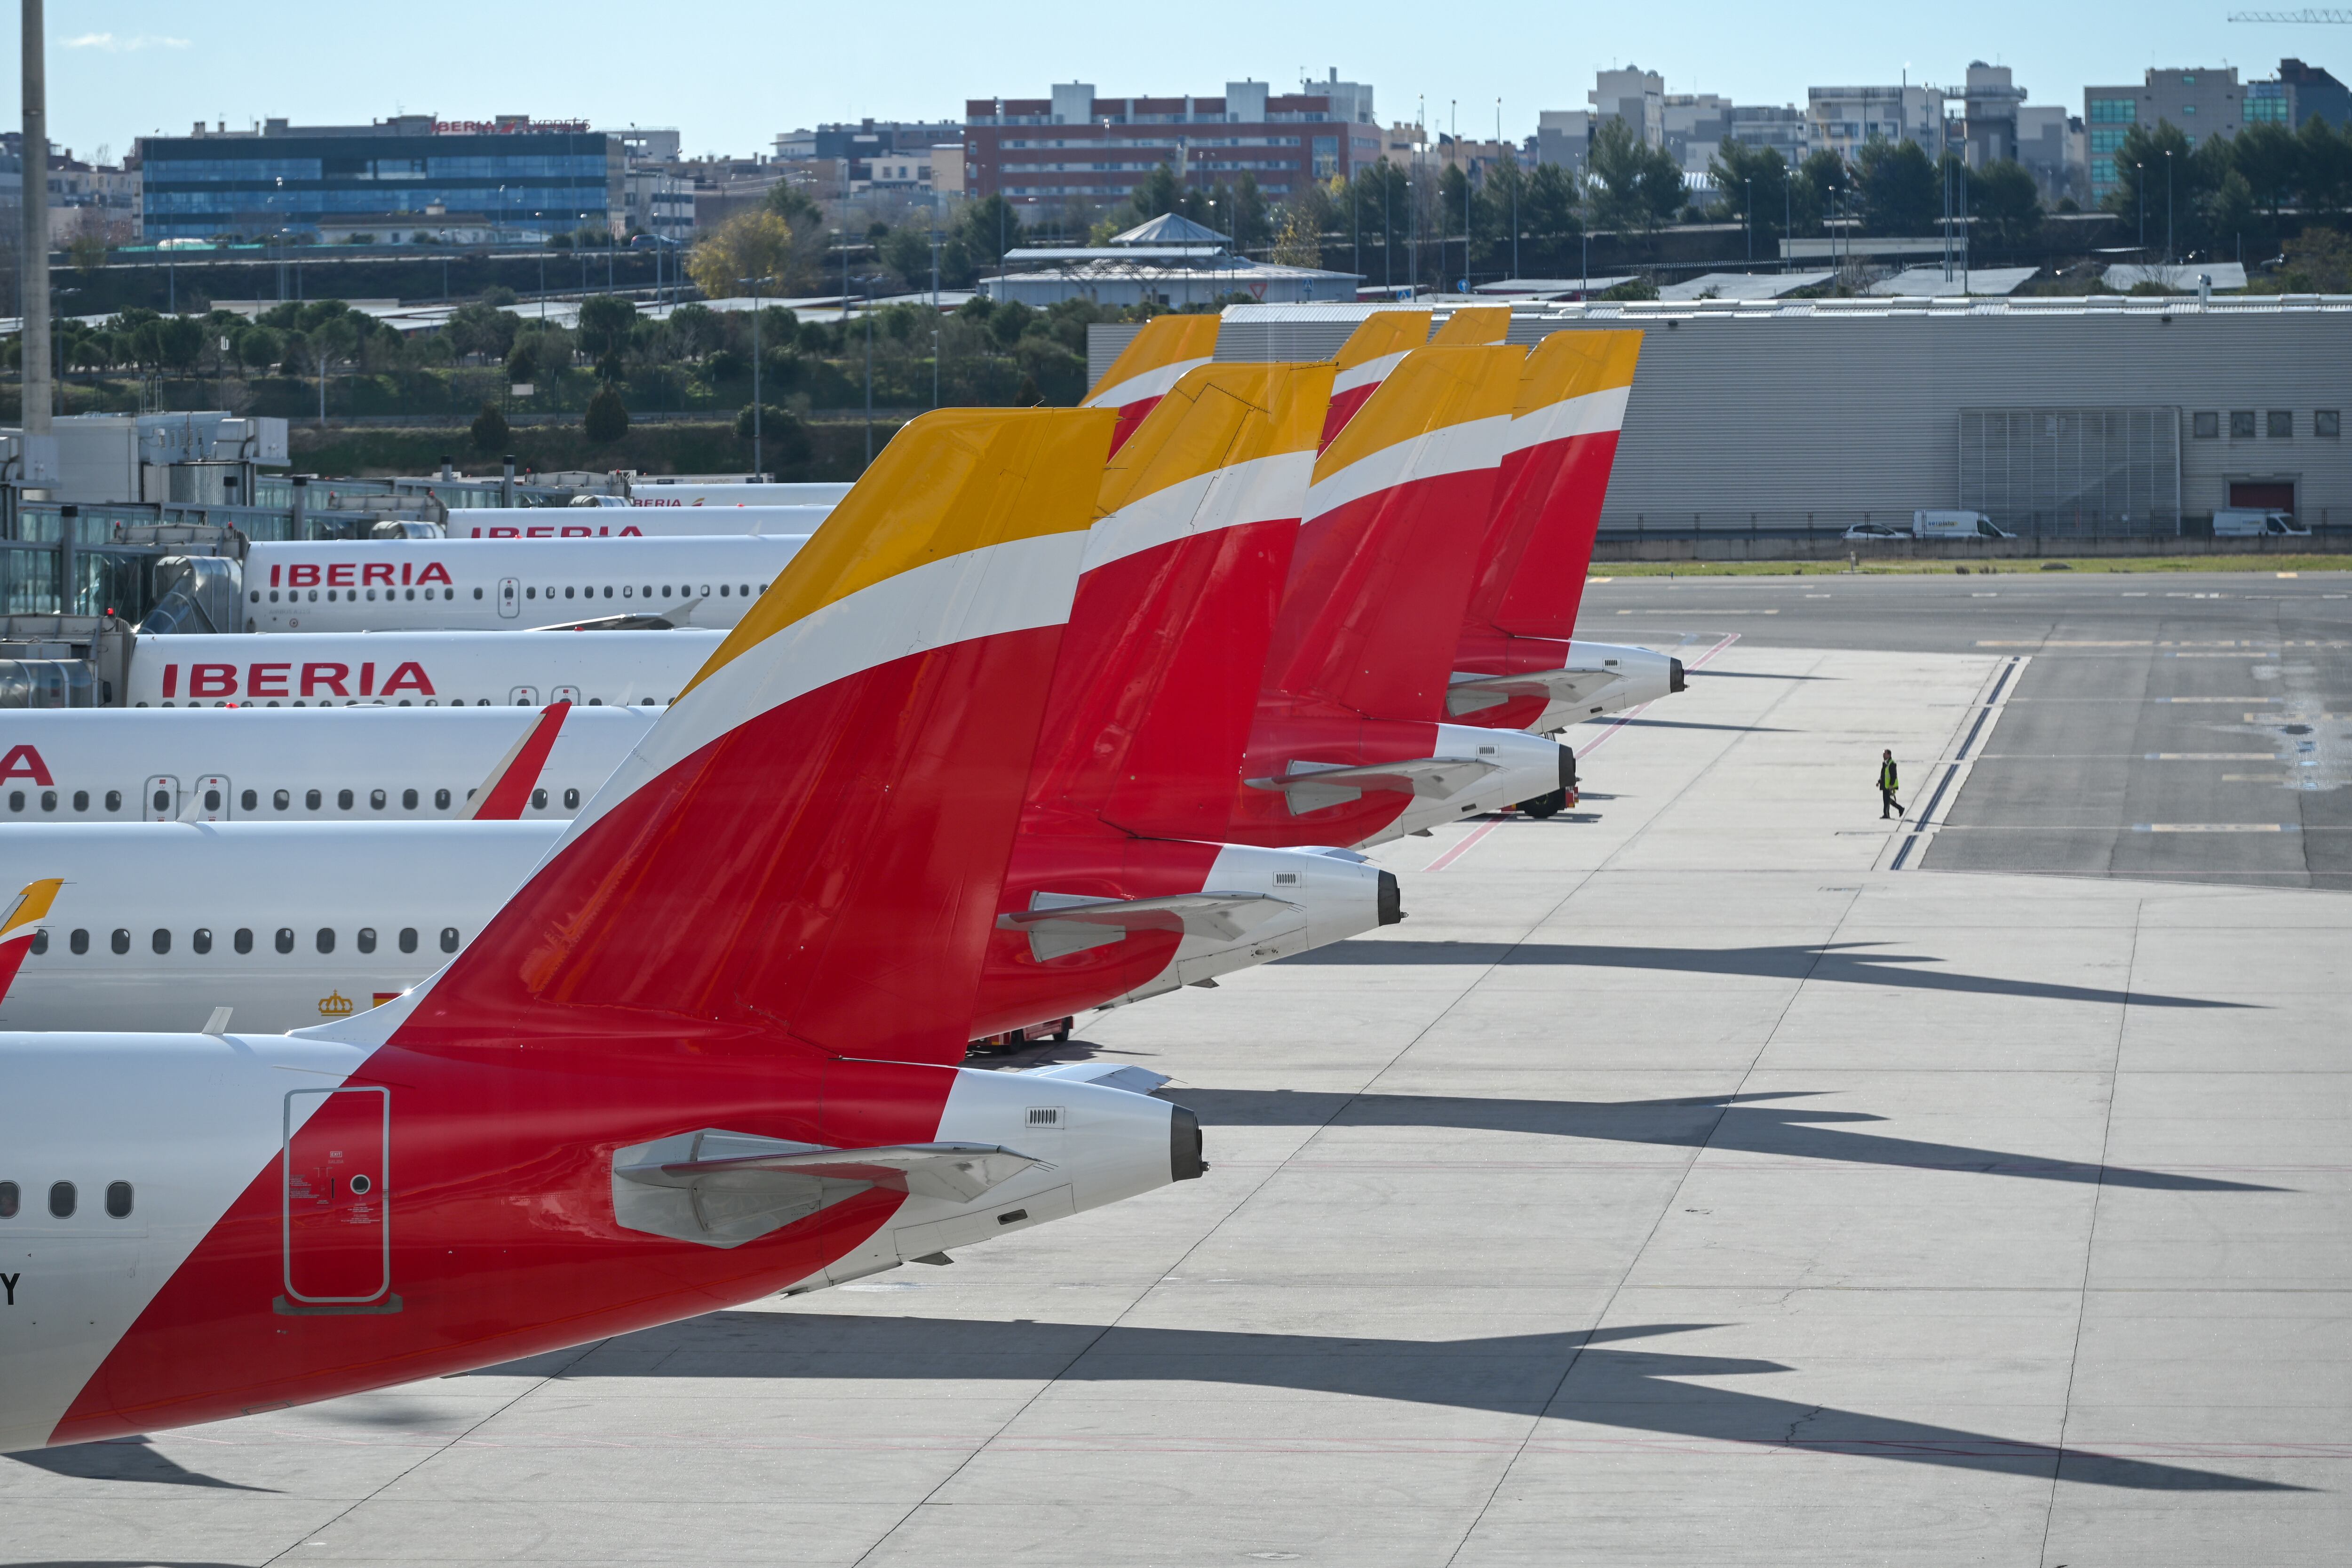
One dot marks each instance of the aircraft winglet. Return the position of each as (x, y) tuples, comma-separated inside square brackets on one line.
[(506, 791)]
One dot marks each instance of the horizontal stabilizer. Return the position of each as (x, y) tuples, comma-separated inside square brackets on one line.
[(1102, 1075), (503, 794), (1482, 691), (1062, 923), (722, 1189), (1311, 786)]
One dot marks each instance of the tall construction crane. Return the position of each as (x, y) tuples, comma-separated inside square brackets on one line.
[(2342, 19)]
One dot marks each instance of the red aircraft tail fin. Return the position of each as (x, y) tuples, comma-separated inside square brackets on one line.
[(810, 842), (1377, 588), (1373, 350), (1160, 671), (1554, 477), (1157, 359), (503, 794)]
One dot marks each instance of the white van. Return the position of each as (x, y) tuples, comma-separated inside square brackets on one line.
[(2251, 522), (1955, 525)]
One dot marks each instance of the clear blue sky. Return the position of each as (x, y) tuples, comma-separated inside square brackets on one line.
[(731, 74)]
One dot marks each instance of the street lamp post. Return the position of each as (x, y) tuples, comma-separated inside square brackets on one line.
[(2168, 209), (1748, 216), (758, 469)]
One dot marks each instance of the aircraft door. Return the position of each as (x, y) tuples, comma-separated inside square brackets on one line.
[(563, 694), (209, 801), (338, 1224), (524, 697), (509, 597), (160, 802)]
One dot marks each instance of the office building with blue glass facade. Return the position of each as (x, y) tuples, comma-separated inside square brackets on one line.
[(515, 178)]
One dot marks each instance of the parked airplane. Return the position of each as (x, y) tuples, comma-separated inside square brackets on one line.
[(658, 492), (371, 764), (1154, 360), (635, 522), (402, 670), (1174, 913), (497, 584), (691, 1063)]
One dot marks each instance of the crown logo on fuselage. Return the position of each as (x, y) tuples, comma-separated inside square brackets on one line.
[(334, 1004)]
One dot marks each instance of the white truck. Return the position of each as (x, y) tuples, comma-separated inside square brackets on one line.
[(1926, 524), (2253, 522)]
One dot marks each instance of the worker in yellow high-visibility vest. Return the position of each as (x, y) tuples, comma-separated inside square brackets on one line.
[(1888, 783)]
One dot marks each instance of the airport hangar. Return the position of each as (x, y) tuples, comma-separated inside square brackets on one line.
[(2107, 415)]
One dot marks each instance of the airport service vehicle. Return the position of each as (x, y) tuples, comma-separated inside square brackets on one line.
[(597, 669), (1154, 360), (661, 492), (1866, 532), (623, 522), (702, 1056), (274, 764), (500, 585), (1931, 524), (2233, 522)]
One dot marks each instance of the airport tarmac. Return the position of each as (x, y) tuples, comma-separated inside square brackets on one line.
[(1683, 1182)]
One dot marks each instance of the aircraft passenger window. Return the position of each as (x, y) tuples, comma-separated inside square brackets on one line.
[(78, 941), (81, 800), (608, 590), (408, 800), (48, 800), (538, 800), (440, 800), (572, 800), (530, 593), (706, 590), (8, 1200), (722, 590), (281, 800), (448, 939), (567, 592), (249, 800), (326, 939), (15, 800), (408, 939), (596, 702), (114, 800), (626, 592), (665, 590), (367, 939), (314, 596), (161, 942), (743, 590), (212, 800), (243, 941), (375, 800), (61, 1200), (40, 942), (200, 939), (118, 1200), (284, 939), (477, 592), (256, 595), (312, 798), (163, 800), (120, 941), (273, 596), (343, 799)]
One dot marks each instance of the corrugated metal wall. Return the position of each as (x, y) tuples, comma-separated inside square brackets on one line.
[(1787, 416)]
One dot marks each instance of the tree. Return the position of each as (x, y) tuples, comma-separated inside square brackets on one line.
[(489, 430), (607, 420), (1298, 242), (783, 440), (2004, 203), (2141, 197), (1640, 186), (180, 343), (1753, 182), (1822, 188), (1251, 229), (604, 323), (794, 205), (256, 348), (752, 245), (523, 365), (2319, 261), (2269, 159), (482, 328), (2326, 157), (1899, 190)]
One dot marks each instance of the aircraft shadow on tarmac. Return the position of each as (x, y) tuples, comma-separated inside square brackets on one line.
[(124, 1460), (1735, 1122), (1837, 960), (1573, 1375), (1693, 724)]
